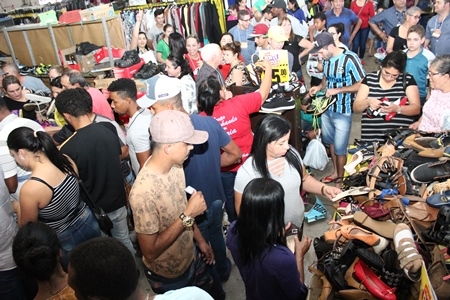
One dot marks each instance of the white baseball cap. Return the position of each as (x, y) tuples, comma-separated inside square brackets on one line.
[(160, 87)]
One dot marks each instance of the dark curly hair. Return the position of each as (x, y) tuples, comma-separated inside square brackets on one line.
[(103, 267), (125, 88)]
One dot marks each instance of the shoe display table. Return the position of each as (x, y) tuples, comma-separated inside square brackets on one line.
[(293, 115)]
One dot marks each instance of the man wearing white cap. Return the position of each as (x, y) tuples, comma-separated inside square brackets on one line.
[(202, 169), (164, 220)]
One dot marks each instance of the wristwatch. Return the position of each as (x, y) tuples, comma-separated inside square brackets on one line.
[(188, 222)]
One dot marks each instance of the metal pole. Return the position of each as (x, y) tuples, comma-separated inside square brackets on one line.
[(30, 48), (108, 42), (10, 47), (55, 46), (69, 33)]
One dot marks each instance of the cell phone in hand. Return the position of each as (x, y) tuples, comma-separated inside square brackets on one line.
[(300, 231), (190, 190)]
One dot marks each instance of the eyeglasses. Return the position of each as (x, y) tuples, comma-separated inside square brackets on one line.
[(434, 73), (245, 20), (414, 16), (387, 74)]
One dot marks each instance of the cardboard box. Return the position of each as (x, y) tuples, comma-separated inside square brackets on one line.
[(48, 17), (86, 62), (68, 57), (70, 17), (102, 84), (127, 72), (97, 12), (102, 55)]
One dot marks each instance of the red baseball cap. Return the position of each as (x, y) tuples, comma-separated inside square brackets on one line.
[(259, 30)]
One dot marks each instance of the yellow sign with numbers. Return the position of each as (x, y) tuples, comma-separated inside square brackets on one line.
[(279, 62)]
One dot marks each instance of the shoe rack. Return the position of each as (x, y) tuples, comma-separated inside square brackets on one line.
[(34, 44)]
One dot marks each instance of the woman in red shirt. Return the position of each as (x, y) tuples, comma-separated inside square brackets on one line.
[(364, 9)]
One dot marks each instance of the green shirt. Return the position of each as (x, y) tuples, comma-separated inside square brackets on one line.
[(163, 48)]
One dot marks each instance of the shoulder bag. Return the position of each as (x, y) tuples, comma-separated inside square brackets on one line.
[(103, 220)]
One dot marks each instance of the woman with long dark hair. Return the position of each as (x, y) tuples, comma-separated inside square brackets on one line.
[(381, 92), (52, 194), (272, 157), (177, 45), (37, 253), (257, 241), (179, 68), (234, 116)]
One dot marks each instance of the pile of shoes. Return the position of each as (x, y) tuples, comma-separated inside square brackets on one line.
[(129, 58), (147, 71), (391, 227)]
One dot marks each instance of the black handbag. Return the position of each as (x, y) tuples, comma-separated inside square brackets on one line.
[(103, 220)]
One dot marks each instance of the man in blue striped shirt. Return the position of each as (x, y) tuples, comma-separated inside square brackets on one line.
[(343, 74)]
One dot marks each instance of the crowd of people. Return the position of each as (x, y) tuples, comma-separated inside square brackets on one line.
[(189, 152)]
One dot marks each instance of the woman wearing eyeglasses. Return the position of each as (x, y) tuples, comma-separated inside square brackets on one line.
[(438, 104), (397, 36), (379, 98)]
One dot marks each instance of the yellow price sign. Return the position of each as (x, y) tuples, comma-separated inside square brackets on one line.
[(279, 61)]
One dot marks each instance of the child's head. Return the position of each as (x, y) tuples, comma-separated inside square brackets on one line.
[(233, 10), (415, 37), (320, 21)]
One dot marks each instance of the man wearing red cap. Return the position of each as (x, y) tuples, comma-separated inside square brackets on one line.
[(259, 35)]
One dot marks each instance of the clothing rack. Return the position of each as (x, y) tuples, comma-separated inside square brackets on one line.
[(162, 4)]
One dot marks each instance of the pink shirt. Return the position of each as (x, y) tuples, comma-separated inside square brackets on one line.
[(434, 110), (99, 103), (234, 117)]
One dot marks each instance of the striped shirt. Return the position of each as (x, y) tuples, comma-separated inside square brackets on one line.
[(374, 129), (65, 207), (341, 71)]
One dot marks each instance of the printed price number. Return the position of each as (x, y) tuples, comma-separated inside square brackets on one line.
[(280, 74)]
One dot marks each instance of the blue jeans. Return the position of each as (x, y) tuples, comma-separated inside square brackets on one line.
[(84, 229), (336, 131), (120, 229), (211, 229), (11, 286), (228, 179), (359, 42)]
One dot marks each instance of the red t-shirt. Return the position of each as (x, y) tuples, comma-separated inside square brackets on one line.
[(234, 117), (365, 12)]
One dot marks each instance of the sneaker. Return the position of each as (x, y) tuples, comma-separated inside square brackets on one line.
[(320, 104), (428, 172), (278, 103), (129, 58), (317, 212), (148, 70)]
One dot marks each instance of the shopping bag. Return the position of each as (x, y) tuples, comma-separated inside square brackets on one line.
[(316, 155)]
